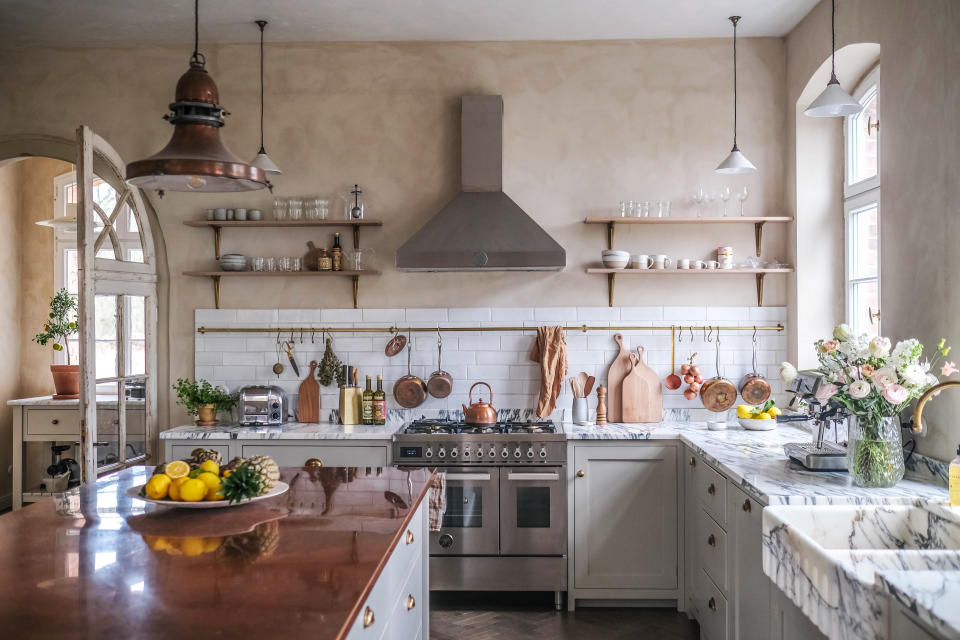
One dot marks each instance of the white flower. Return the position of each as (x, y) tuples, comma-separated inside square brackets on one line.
[(884, 377), (842, 332), (914, 375), (788, 372), (859, 389), (880, 346), (906, 352)]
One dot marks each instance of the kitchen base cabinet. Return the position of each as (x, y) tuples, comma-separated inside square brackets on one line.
[(623, 514), (289, 453), (788, 622), (749, 586), (903, 624)]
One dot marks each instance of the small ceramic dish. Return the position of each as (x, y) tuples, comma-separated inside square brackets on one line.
[(757, 424)]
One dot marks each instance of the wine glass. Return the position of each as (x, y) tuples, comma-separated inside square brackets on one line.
[(698, 198), (741, 196), (708, 201), (724, 195)]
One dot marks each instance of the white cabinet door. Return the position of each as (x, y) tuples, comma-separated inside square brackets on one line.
[(329, 455), (750, 587), (788, 622), (625, 516), (692, 537)]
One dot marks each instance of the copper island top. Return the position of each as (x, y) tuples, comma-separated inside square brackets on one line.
[(97, 564)]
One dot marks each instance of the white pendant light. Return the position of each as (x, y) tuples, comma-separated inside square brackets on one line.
[(736, 162), (834, 102), (262, 160)]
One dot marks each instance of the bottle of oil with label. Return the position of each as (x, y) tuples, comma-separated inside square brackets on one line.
[(336, 254), (366, 410), (379, 403)]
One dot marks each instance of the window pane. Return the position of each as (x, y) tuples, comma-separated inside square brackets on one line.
[(106, 358), (134, 255), (137, 320), (865, 296), (863, 165), (131, 221), (105, 308), (533, 507), (138, 360), (70, 258), (864, 246)]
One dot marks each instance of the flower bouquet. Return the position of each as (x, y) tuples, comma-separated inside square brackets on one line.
[(875, 382)]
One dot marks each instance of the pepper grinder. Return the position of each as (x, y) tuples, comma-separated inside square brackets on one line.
[(601, 405)]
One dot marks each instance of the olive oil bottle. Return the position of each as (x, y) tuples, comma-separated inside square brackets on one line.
[(379, 403), (367, 405)]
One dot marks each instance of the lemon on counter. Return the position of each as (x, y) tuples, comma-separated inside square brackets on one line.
[(773, 411), (174, 492), (193, 490), (158, 486), (213, 486), (177, 469), (764, 416), (211, 466)]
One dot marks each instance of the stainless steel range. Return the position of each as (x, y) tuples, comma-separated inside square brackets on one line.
[(505, 527)]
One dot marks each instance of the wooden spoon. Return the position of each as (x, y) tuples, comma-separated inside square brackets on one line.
[(589, 386)]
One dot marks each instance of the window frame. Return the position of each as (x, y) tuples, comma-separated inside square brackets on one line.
[(865, 91)]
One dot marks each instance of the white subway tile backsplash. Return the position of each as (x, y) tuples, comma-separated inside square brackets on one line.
[(685, 314), (511, 314), (769, 314), (484, 342), (383, 315), (257, 316), (427, 315), (341, 315), (555, 314), (477, 314), (589, 314), (231, 358), (209, 316), (635, 314)]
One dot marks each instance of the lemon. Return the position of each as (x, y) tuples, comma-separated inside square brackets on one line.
[(192, 546), (226, 474), (158, 486), (211, 466), (774, 411), (743, 411), (174, 492), (765, 416), (193, 490), (177, 469), (157, 543), (212, 544), (213, 486)]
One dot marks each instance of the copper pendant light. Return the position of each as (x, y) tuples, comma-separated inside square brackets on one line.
[(195, 159)]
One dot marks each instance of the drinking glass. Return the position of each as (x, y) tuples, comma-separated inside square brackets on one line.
[(280, 208), (632, 208), (295, 209), (359, 259), (724, 195), (259, 263), (708, 203), (323, 208), (698, 197), (270, 263), (296, 263), (663, 208), (623, 209), (643, 209), (741, 196), (311, 209)]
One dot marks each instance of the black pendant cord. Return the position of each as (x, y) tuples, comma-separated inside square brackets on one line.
[(735, 20), (261, 24), (833, 41), (197, 57)]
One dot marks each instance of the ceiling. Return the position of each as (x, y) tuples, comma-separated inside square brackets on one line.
[(117, 22)]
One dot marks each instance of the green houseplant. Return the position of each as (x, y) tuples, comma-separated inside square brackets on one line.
[(60, 325), (203, 400)]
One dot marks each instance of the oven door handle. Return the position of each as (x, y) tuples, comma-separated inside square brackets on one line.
[(468, 476), (532, 476)]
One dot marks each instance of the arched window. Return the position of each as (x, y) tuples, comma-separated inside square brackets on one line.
[(861, 209)]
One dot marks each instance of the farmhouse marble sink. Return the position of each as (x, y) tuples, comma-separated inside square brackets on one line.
[(826, 558)]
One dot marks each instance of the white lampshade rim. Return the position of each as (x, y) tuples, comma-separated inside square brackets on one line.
[(735, 162), (833, 102), (263, 161)]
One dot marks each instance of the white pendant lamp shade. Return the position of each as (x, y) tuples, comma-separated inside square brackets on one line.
[(736, 162), (834, 102), (262, 160)]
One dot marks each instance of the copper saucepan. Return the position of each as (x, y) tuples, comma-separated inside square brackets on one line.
[(718, 394), (440, 383), (409, 391), (754, 387)]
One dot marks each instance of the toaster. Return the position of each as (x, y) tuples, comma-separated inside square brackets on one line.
[(261, 404)]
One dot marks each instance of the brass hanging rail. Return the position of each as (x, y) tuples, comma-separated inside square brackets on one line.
[(394, 329)]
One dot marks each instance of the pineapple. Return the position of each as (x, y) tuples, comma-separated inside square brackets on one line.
[(243, 483), (268, 470), (202, 455)]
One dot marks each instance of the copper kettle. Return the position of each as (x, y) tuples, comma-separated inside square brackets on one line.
[(480, 413)]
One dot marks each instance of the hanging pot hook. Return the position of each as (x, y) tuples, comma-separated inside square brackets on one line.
[(439, 336), (755, 334), (690, 329), (708, 335), (680, 336), (301, 336)]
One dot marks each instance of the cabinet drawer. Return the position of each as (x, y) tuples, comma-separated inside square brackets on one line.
[(712, 610), (183, 451), (296, 456), (712, 548), (712, 489), (407, 616), (53, 422)]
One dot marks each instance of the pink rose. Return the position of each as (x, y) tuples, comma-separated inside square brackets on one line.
[(948, 369), (829, 346), (895, 394), (866, 370), (825, 392), (879, 347)]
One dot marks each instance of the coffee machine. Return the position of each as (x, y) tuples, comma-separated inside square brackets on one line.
[(820, 454)]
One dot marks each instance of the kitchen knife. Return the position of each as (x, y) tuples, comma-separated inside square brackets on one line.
[(288, 346)]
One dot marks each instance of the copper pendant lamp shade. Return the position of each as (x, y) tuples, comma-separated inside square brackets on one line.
[(195, 159)]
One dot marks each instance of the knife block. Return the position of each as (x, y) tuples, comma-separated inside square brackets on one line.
[(350, 399)]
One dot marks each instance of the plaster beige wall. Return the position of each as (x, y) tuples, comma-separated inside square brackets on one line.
[(920, 158), (36, 270), (9, 312), (586, 125)]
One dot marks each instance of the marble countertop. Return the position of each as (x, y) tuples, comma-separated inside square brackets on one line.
[(95, 563), (931, 595), (756, 462), (286, 431)]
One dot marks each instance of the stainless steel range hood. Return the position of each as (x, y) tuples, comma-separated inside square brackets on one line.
[(481, 229)]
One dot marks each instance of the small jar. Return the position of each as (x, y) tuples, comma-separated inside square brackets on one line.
[(324, 262)]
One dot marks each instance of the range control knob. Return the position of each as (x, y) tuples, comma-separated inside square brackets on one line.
[(454, 453), (429, 452), (466, 452), (479, 452), (442, 453), (516, 453), (504, 453), (445, 540), (493, 452), (530, 452), (543, 452)]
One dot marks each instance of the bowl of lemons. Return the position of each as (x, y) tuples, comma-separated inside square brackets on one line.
[(758, 417)]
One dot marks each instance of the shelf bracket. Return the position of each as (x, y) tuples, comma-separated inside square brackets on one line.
[(217, 231), (758, 235), (610, 232), (356, 236), (216, 290), (760, 289), (356, 292), (611, 282)]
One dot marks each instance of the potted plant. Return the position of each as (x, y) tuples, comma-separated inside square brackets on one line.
[(203, 400), (60, 325), (876, 382)]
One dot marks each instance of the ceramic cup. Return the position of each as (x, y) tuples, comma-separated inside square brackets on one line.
[(580, 411), (641, 261), (661, 262), (254, 214), (230, 214), (710, 264), (683, 263), (210, 214), (220, 214), (697, 264), (240, 214)]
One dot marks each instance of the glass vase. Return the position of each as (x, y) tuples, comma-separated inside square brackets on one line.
[(874, 451)]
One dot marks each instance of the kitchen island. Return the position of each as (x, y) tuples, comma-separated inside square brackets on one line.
[(340, 555)]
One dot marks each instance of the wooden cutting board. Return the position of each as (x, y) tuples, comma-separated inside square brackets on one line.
[(618, 370), (308, 402), (641, 395)]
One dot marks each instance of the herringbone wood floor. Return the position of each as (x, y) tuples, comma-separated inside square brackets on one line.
[(495, 618)]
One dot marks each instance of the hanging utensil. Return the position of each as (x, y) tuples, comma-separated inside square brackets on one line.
[(278, 368), (440, 383), (718, 394), (754, 388), (409, 391), (288, 347), (673, 381), (396, 344)]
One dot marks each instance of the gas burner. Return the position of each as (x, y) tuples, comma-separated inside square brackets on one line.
[(444, 426), (528, 427)]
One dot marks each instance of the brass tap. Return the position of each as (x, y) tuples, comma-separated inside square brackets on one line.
[(927, 395)]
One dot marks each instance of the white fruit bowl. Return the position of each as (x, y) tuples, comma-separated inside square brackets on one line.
[(758, 424), (278, 489)]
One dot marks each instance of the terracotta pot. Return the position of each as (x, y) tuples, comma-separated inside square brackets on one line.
[(206, 414), (66, 380)]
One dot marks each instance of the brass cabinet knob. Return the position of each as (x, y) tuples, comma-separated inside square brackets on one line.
[(409, 536), (54, 421), (411, 602), (367, 617), (712, 541), (693, 461), (746, 505), (313, 462), (580, 473), (712, 604), (711, 489)]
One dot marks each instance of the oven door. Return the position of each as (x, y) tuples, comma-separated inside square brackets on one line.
[(533, 508), (470, 524)]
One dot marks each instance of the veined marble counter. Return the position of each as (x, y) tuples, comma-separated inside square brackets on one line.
[(931, 595), (286, 431), (755, 460)]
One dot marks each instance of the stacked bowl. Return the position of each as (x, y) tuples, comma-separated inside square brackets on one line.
[(614, 259), (233, 262)]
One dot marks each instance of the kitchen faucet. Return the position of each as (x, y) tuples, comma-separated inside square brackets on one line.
[(917, 424)]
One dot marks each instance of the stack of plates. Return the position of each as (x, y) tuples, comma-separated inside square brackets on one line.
[(233, 262)]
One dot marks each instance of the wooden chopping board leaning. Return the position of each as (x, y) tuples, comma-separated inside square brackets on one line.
[(618, 370), (641, 395), (308, 403)]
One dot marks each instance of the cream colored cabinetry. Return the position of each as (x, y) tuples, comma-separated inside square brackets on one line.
[(623, 521), (290, 453)]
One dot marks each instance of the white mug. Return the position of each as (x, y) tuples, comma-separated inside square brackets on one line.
[(661, 262), (683, 263), (711, 264), (641, 261), (697, 264)]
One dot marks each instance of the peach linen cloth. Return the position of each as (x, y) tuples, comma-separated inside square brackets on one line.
[(550, 350)]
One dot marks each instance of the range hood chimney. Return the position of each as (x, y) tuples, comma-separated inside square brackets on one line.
[(481, 229)]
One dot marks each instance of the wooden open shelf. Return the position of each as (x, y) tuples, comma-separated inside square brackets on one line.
[(217, 275), (363, 222)]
